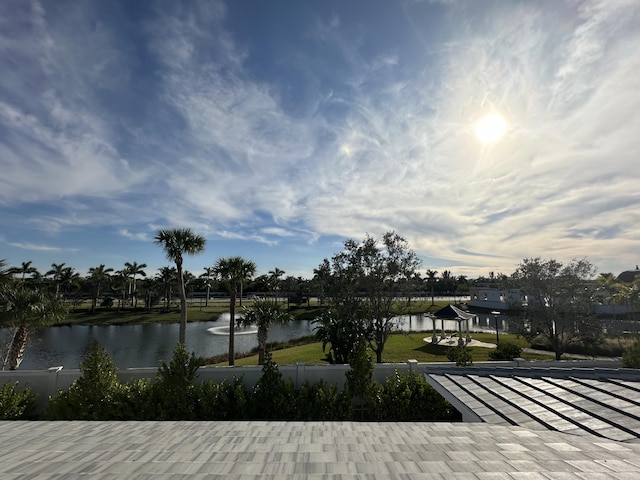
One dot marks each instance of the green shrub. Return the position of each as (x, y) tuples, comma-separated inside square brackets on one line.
[(16, 403), (631, 356), (505, 351), (174, 393), (273, 397), (408, 397), (134, 401), (93, 396), (222, 401), (461, 355), (322, 401)]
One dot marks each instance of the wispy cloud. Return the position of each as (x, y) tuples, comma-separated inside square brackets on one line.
[(347, 130), (139, 236), (41, 248)]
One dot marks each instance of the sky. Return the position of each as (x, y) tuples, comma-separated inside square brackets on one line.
[(280, 129)]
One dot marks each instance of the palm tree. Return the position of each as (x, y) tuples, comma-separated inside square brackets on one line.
[(274, 280), (166, 276), (68, 278), (232, 271), (22, 307), (177, 242), (98, 277), (263, 314), (431, 280), (24, 269), (133, 269), (208, 273), (120, 284), (5, 275), (57, 272)]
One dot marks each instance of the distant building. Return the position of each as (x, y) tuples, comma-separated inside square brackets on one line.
[(495, 298)]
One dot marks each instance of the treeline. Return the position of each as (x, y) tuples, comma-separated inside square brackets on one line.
[(132, 286)]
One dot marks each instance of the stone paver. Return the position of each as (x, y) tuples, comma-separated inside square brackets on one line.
[(310, 450)]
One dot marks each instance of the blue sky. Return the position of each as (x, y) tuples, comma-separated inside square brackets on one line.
[(279, 129)]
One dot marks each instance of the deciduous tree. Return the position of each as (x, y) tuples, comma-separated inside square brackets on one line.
[(559, 301), (366, 285)]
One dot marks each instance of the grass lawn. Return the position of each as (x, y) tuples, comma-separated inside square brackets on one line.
[(399, 348)]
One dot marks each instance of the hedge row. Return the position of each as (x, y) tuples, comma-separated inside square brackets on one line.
[(176, 394)]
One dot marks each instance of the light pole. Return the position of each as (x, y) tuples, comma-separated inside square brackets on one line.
[(495, 314)]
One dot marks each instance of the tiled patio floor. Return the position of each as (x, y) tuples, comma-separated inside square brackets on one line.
[(279, 450)]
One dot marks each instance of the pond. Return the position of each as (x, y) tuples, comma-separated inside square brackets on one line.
[(149, 345)]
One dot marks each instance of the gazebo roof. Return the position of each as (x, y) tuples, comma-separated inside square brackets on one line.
[(452, 312)]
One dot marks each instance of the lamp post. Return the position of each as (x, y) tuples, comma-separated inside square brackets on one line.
[(495, 314)]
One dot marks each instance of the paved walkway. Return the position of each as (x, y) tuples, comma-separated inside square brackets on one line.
[(305, 450)]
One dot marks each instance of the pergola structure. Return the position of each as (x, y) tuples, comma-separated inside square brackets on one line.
[(450, 312)]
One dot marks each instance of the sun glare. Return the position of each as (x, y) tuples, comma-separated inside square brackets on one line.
[(491, 128)]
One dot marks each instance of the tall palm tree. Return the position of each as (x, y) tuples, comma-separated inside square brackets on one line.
[(131, 270), (233, 271), (166, 277), (263, 314), (208, 273), (57, 272), (274, 280), (21, 308), (98, 278), (68, 278), (431, 280), (120, 283), (24, 270), (177, 242)]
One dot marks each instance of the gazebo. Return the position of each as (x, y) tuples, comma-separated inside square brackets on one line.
[(451, 312)]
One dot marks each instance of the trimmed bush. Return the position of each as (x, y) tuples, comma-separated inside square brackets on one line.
[(174, 393), (461, 355), (16, 403), (505, 351), (408, 397), (631, 356), (273, 397), (223, 401), (93, 396), (322, 401)]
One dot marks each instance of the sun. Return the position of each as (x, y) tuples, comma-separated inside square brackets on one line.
[(491, 128)]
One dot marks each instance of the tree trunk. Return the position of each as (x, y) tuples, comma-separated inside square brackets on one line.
[(18, 346), (232, 325), (183, 307)]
